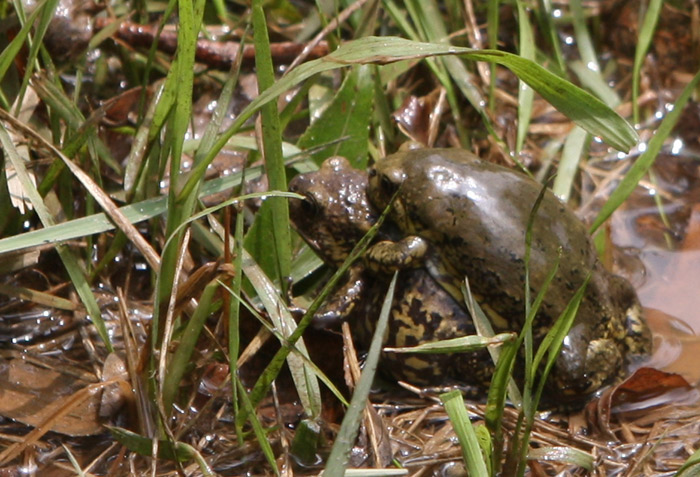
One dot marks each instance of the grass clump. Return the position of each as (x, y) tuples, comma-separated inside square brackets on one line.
[(141, 159)]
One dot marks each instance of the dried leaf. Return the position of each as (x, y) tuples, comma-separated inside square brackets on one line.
[(644, 384), (32, 394)]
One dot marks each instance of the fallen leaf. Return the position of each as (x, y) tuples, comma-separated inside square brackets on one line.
[(643, 384), (31, 394)]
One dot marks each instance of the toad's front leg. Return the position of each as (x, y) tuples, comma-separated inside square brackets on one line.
[(388, 256)]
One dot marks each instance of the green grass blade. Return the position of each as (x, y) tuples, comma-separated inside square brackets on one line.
[(11, 51), (180, 206), (574, 149), (583, 108), (304, 378), (646, 160), (462, 344), (144, 135), (530, 308), (38, 297), (47, 14), (551, 345), (166, 450), (526, 48), (471, 450), (74, 462), (428, 16), (492, 21), (180, 360), (496, 400), (552, 342), (484, 328), (345, 440), (594, 81), (307, 361), (567, 455), (234, 315), (583, 38), (549, 30), (691, 467), (99, 223), (272, 220), (257, 427), (646, 34)]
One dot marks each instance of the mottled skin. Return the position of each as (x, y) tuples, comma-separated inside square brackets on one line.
[(332, 218), (472, 218)]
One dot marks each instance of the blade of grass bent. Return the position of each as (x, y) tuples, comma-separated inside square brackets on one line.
[(581, 107), (100, 196), (338, 458), (98, 223)]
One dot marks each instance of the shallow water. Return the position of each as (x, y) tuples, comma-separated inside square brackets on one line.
[(666, 269)]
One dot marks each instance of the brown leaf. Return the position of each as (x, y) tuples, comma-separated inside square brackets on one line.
[(31, 394), (644, 384)]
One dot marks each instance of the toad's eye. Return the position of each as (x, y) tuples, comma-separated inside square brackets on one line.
[(310, 205), (372, 172), (388, 186)]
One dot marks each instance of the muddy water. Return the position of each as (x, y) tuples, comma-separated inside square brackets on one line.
[(671, 296), (667, 276)]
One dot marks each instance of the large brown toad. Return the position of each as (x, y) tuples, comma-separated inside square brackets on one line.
[(463, 217)]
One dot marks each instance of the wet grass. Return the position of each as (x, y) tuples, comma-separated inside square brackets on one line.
[(148, 199)]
